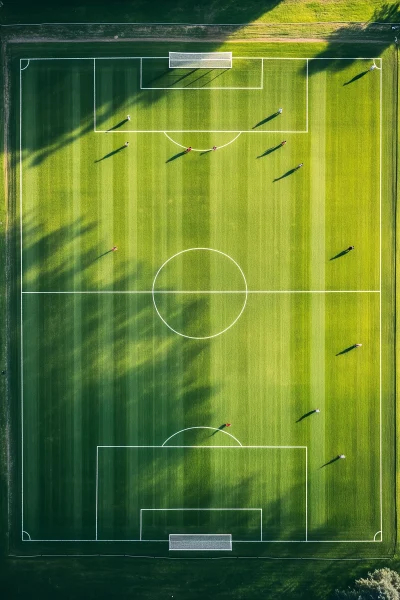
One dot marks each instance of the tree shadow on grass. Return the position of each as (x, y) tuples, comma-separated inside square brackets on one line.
[(344, 43), (122, 378)]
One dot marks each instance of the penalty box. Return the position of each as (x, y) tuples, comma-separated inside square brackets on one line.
[(237, 99), (147, 493)]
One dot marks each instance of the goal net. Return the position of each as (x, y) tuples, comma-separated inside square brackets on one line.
[(200, 60), (211, 541)]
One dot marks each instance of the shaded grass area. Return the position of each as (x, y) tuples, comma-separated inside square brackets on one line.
[(183, 11), (101, 578)]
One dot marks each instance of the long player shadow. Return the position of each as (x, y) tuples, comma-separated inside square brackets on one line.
[(110, 154), (118, 125), (347, 350), (311, 412), (358, 76), (269, 118), (100, 256), (176, 156), (218, 430), (270, 150), (330, 461), (290, 172), (342, 253)]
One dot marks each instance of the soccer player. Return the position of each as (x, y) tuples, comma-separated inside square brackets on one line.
[(189, 149), (357, 345), (227, 424), (128, 117), (350, 248), (316, 410), (214, 147), (341, 456), (114, 248), (280, 110), (283, 143), (373, 67), (299, 166), (126, 144)]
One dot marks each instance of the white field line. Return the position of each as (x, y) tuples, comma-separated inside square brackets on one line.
[(97, 486), (236, 542), (212, 447), (21, 325), (211, 291), (192, 509), (207, 292), (207, 250), (205, 89), (242, 57), (195, 509), (94, 96), (199, 131), (200, 427), (260, 87), (306, 494), (262, 73), (380, 301), (204, 149), (140, 58), (307, 95)]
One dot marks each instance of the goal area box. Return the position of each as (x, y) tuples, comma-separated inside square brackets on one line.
[(200, 60), (209, 542)]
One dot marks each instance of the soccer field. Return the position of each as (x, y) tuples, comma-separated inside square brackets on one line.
[(170, 386)]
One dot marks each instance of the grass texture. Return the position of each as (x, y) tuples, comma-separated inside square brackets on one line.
[(101, 368)]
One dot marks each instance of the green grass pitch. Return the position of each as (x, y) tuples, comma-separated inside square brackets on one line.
[(228, 300)]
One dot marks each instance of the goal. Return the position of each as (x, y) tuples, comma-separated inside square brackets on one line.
[(181, 541), (200, 60)]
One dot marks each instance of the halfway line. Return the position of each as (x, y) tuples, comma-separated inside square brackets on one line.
[(213, 292)]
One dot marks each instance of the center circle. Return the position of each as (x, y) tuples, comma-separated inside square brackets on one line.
[(199, 293)]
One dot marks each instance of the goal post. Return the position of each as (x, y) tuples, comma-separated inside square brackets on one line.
[(200, 60)]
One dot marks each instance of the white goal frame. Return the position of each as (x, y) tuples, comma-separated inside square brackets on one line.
[(200, 60)]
